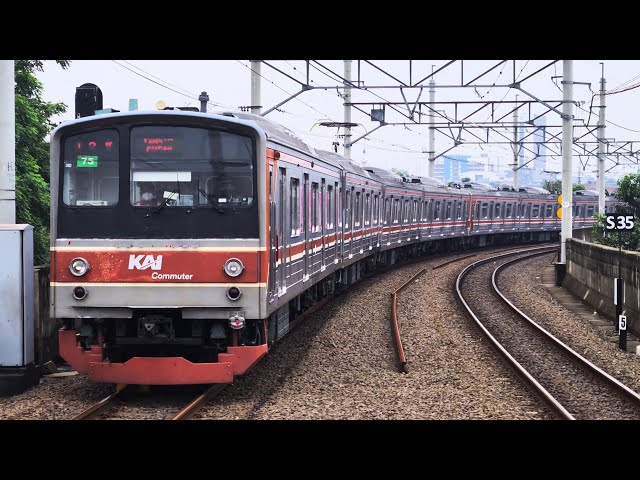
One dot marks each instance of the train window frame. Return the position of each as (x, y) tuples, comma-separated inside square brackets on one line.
[(548, 210), (367, 209), (448, 210), (436, 210), (376, 209), (415, 211), (497, 210), (395, 211), (338, 194), (85, 167), (508, 210), (330, 206), (294, 206), (459, 209), (347, 209), (314, 225), (484, 210), (535, 210), (406, 212)]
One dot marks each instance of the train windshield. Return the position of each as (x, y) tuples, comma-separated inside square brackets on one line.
[(90, 177), (191, 168)]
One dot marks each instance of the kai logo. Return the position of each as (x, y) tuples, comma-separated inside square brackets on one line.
[(142, 262)]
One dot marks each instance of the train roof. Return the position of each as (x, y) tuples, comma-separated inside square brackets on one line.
[(275, 132)]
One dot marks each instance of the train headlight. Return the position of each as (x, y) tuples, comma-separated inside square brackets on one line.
[(79, 293), (233, 267), (79, 266), (234, 293)]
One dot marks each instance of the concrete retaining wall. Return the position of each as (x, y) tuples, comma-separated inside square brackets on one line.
[(591, 269)]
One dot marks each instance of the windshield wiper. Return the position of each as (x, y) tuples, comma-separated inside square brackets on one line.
[(164, 203), (211, 202)]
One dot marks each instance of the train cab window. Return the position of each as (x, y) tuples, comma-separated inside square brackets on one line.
[(436, 211), (315, 208), (497, 210), (91, 169), (548, 211), (295, 207), (535, 211), (191, 167), (484, 210), (331, 208), (590, 210)]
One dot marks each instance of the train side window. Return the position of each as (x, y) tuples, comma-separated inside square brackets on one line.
[(295, 207), (535, 211), (331, 206), (508, 212), (367, 209), (406, 212), (497, 210), (396, 210), (347, 209), (315, 208), (484, 210), (385, 213), (338, 194), (436, 211), (357, 210), (376, 209), (415, 210), (459, 206), (549, 211)]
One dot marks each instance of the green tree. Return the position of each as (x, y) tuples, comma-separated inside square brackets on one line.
[(33, 124), (579, 186), (554, 186), (628, 202)]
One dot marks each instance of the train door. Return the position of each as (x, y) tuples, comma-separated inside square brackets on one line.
[(281, 239), (306, 221), (323, 221), (273, 242)]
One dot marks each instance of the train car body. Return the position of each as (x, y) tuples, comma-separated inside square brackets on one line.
[(183, 244)]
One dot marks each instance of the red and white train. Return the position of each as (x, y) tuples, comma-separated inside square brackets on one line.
[(183, 244)]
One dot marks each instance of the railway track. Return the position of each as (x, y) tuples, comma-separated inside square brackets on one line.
[(112, 406), (571, 385)]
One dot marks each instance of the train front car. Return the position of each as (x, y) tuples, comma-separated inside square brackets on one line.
[(158, 253)]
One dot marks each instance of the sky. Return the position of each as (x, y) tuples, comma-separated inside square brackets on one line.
[(228, 84)]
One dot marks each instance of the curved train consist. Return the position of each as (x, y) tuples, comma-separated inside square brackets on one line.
[(184, 244)]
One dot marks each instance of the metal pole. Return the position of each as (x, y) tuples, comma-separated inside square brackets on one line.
[(516, 171), (432, 131), (256, 105), (567, 157), (204, 98), (601, 145), (347, 108), (7, 142)]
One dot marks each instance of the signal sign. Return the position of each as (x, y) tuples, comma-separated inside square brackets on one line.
[(559, 211), (619, 222)]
